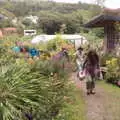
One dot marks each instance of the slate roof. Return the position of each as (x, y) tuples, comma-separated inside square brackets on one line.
[(108, 16)]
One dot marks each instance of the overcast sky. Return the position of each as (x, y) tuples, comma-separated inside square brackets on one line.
[(108, 3)]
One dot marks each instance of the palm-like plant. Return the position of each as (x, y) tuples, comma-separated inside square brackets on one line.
[(24, 87), (18, 92), (30, 91)]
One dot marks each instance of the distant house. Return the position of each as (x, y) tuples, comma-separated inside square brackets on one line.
[(8, 31), (29, 32)]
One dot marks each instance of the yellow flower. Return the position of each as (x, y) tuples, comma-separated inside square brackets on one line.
[(114, 60)]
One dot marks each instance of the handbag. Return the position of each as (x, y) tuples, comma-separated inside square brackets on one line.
[(82, 74)]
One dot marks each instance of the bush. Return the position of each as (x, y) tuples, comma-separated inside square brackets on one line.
[(30, 90), (113, 70), (104, 58), (24, 88), (34, 90)]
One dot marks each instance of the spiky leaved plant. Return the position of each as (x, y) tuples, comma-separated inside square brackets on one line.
[(19, 91), (31, 91), (55, 88)]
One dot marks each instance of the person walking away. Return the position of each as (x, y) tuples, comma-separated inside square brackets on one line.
[(91, 67), (64, 57)]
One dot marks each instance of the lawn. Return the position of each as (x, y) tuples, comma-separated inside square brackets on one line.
[(110, 88), (111, 101)]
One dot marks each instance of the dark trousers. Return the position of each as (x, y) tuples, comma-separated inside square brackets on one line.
[(90, 83)]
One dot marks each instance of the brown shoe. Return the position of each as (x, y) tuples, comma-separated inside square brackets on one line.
[(88, 92)]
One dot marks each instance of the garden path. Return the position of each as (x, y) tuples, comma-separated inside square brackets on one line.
[(104, 105)]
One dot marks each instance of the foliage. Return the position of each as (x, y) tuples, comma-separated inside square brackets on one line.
[(27, 22), (6, 12), (22, 8), (5, 23), (58, 43), (36, 89), (113, 70), (24, 87), (94, 40), (74, 107), (104, 58), (53, 15), (52, 22), (112, 64)]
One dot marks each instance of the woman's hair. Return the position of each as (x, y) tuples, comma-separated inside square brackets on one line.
[(93, 57)]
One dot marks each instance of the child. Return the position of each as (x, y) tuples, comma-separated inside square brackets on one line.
[(79, 60)]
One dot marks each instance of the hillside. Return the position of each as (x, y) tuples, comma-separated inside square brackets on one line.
[(35, 6), (53, 17), (6, 13)]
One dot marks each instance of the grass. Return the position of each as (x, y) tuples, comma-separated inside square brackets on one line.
[(113, 89), (74, 108), (111, 101)]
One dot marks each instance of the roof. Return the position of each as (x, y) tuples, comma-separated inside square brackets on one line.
[(102, 20), (10, 29)]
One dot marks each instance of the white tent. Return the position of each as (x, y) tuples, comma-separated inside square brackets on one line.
[(42, 38), (77, 39)]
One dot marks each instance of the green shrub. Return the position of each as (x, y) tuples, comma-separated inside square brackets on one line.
[(113, 70), (36, 89), (31, 89), (104, 58)]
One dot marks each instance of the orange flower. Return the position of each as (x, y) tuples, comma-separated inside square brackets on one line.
[(30, 61)]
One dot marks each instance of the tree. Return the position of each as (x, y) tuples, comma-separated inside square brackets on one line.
[(50, 22), (27, 22), (63, 28), (100, 2), (5, 23)]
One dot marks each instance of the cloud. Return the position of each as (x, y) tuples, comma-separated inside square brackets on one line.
[(108, 3), (112, 3)]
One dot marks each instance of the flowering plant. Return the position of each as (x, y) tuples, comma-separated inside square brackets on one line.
[(113, 70)]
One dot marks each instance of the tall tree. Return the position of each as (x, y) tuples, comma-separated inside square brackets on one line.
[(100, 2)]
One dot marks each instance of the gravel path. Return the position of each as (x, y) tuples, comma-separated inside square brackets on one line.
[(101, 106)]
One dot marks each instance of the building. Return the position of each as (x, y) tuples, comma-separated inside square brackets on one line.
[(107, 20), (30, 32), (9, 31)]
